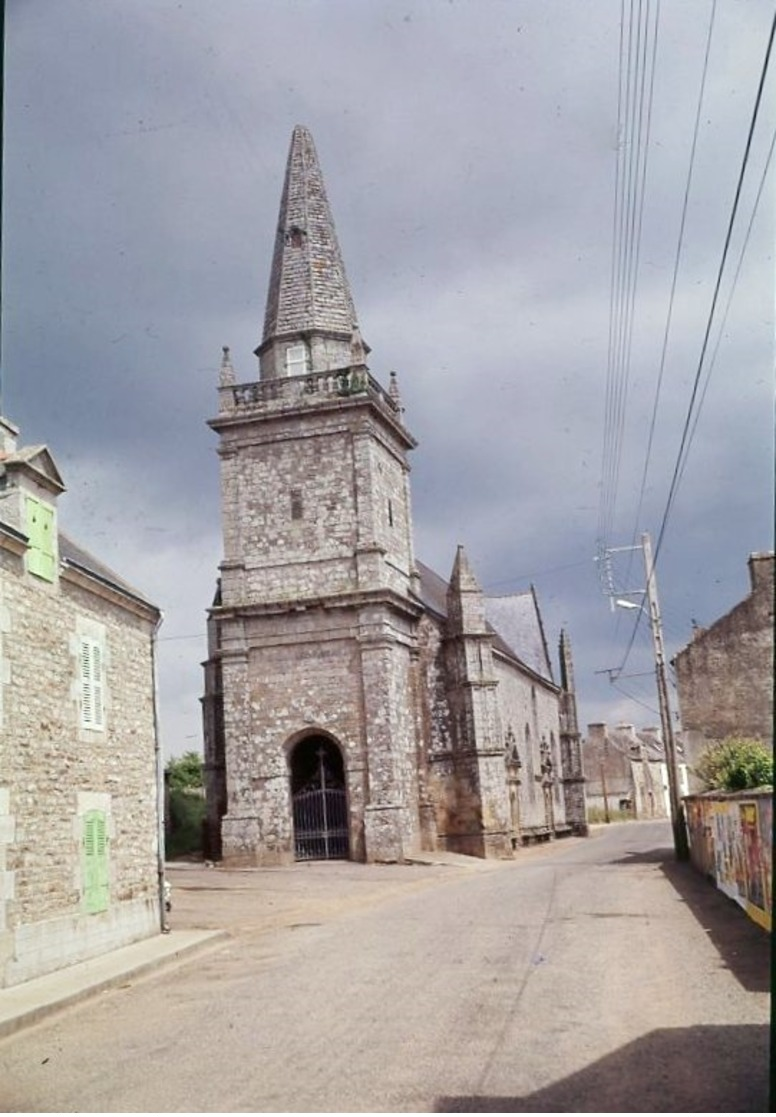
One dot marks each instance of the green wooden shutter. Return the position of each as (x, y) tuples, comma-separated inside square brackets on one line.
[(95, 860), (41, 558)]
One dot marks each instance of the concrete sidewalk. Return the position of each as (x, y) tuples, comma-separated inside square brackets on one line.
[(24, 1004)]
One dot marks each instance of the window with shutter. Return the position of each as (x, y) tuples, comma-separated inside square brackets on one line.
[(95, 862), (92, 684), (41, 555)]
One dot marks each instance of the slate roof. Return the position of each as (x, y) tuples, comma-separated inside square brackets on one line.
[(308, 288), (515, 616), (74, 555), (513, 619)]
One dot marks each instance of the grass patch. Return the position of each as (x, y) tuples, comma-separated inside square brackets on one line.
[(597, 814)]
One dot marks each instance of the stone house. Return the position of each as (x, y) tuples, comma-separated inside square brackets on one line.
[(724, 676), (356, 703), (625, 770), (80, 862)]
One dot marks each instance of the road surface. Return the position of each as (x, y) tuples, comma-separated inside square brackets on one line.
[(590, 975)]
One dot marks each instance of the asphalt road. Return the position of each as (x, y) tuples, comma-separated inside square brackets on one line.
[(591, 975)]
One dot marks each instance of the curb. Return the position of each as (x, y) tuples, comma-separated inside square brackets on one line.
[(27, 1003)]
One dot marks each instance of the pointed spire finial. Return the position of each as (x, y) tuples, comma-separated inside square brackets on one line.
[(357, 348), (226, 375), (462, 577), (393, 390)]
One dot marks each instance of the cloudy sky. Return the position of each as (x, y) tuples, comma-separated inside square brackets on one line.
[(470, 150)]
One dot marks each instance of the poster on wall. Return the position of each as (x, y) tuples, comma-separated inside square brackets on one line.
[(742, 854)]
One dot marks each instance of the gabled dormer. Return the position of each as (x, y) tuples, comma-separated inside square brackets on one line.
[(30, 484)]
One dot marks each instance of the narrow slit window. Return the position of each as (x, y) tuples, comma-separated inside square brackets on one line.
[(390, 513), (297, 508)]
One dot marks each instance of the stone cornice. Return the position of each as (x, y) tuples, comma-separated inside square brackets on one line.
[(13, 540), (357, 599)]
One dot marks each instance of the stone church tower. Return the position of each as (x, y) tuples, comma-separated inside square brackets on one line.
[(315, 615), (356, 704)]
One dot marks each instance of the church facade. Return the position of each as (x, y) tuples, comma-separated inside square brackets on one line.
[(356, 703)]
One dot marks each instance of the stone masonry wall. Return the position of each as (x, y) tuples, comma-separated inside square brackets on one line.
[(725, 674), (531, 710), (313, 502), (52, 771), (306, 672), (293, 518)]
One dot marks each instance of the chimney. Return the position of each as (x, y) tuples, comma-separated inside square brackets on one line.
[(8, 436), (761, 570), (596, 731)]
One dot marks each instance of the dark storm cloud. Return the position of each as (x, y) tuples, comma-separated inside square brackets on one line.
[(469, 152)]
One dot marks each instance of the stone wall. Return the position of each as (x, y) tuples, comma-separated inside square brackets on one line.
[(530, 709), (53, 771), (725, 674), (343, 672), (315, 500)]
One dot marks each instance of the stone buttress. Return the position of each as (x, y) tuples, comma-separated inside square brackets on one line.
[(570, 743), (482, 813)]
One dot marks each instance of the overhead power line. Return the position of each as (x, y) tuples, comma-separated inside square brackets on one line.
[(691, 418), (684, 444), (677, 259), (638, 53), (731, 293)]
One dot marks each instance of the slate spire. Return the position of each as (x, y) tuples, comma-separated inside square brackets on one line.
[(309, 304)]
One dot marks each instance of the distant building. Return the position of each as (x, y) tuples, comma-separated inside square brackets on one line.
[(79, 818), (626, 770), (724, 676), (356, 703)]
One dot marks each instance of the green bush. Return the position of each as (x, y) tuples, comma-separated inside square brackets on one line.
[(186, 816), (185, 771), (736, 764)]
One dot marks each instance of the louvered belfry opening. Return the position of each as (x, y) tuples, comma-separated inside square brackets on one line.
[(319, 801)]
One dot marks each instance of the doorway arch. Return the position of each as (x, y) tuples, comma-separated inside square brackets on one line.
[(319, 800)]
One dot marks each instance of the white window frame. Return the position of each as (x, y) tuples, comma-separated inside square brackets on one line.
[(297, 359)]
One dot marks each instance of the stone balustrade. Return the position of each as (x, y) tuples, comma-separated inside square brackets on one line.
[(295, 391)]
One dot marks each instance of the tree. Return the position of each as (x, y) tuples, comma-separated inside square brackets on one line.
[(735, 764), (184, 773)]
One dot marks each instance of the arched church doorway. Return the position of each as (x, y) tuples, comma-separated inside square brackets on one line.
[(319, 801)]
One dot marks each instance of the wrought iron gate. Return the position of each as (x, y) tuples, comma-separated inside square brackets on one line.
[(320, 804), (320, 824)]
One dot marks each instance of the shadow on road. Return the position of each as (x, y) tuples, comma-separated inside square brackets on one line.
[(673, 1070), (745, 948)]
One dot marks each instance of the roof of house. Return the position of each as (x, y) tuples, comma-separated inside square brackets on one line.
[(74, 555)]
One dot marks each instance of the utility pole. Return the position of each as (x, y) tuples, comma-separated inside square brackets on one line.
[(681, 847)]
